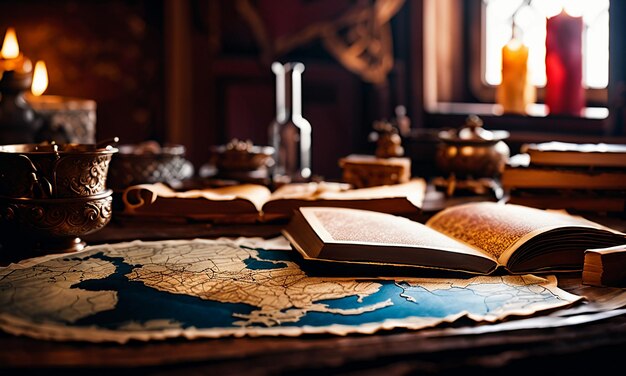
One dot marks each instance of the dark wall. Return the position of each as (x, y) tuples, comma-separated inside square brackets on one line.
[(234, 44), (120, 53), (109, 51)]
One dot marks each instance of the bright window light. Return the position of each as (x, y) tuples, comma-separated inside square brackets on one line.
[(530, 21)]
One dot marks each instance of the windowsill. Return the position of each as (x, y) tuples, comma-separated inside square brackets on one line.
[(535, 110), (595, 122)]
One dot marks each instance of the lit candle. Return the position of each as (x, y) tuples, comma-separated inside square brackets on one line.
[(564, 65), (10, 47), (65, 119), (17, 119), (15, 69), (40, 79), (515, 92)]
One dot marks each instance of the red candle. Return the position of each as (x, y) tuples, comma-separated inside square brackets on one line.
[(564, 65)]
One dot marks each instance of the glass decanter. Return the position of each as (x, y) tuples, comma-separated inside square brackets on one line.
[(290, 132)]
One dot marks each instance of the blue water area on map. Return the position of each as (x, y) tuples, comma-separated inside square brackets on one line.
[(455, 299), (427, 304), (140, 303), (267, 259), (274, 255), (254, 264)]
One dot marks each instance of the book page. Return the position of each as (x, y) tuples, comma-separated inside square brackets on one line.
[(307, 191), (413, 191), (498, 229), (335, 225), (257, 194)]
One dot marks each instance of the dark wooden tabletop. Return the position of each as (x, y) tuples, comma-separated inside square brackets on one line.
[(568, 348)]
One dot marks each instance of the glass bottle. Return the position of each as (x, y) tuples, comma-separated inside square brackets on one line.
[(290, 132)]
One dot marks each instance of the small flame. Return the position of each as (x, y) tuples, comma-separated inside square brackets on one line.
[(40, 79), (514, 44), (10, 48)]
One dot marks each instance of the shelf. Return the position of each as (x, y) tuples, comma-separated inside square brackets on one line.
[(491, 109)]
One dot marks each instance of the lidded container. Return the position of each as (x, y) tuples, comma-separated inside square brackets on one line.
[(472, 152)]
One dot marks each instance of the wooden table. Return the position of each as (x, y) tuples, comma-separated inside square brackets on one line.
[(571, 349)]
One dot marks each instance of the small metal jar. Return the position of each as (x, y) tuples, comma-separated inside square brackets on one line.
[(472, 152)]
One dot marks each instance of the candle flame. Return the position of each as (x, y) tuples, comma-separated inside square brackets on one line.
[(40, 79), (514, 44), (574, 9), (10, 47)]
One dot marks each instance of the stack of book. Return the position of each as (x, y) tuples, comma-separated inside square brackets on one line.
[(556, 175)]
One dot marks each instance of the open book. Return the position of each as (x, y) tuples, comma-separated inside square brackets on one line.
[(250, 202), (476, 238)]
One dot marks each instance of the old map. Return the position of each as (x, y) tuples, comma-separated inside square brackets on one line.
[(214, 288)]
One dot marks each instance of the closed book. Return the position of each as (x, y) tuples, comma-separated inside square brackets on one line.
[(521, 173), (605, 266), (569, 154)]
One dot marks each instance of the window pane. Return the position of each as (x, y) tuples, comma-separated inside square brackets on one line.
[(530, 21)]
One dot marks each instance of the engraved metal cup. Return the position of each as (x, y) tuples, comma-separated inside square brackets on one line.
[(53, 171), (52, 194)]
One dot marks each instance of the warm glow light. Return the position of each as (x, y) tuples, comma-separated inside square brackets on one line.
[(40, 79), (549, 8), (10, 48), (530, 29), (575, 8)]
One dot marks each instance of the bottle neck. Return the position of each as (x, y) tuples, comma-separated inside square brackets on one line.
[(283, 91), (288, 90), (296, 86)]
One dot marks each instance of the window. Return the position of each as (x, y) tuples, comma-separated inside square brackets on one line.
[(529, 18), (455, 81)]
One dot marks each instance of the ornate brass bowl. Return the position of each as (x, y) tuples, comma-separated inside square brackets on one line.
[(53, 225), (53, 171), (472, 151), (241, 156), (138, 164)]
